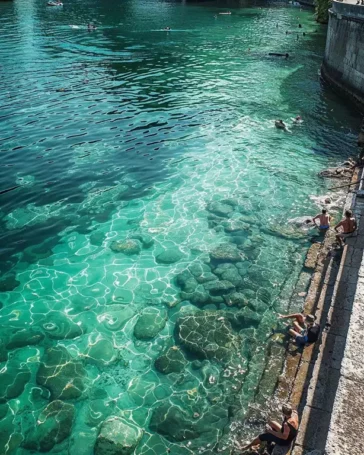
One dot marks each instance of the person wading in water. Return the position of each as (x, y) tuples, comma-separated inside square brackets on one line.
[(324, 219)]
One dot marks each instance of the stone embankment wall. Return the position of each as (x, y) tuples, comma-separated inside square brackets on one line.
[(343, 66)]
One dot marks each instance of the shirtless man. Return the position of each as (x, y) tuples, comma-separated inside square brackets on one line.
[(324, 219), (348, 227)]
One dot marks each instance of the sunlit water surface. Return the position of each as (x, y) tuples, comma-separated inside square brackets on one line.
[(131, 131)]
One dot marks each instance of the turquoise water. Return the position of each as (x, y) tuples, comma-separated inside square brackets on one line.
[(128, 142)]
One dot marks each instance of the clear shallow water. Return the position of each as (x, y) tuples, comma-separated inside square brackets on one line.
[(130, 131)]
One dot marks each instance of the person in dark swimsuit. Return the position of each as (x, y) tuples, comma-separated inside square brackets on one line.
[(279, 434), (324, 220)]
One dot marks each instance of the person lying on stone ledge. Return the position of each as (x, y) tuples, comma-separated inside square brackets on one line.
[(279, 434)]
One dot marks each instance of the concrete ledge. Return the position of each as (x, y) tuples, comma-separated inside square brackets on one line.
[(332, 418), (347, 423), (348, 10)]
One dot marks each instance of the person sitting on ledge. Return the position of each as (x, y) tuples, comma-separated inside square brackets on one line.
[(279, 434), (306, 332), (348, 226), (324, 219)]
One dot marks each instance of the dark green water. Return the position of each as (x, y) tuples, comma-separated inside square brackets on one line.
[(168, 140)]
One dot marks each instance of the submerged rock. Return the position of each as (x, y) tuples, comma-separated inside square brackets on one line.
[(3, 352), (312, 256), (206, 277), (236, 299), (9, 283), (172, 361), (223, 267), (169, 256), (53, 426), (258, 306), (177, 424), (219, 287), (173, 423), (239, 240), (127, 246), (246, 317), (97, 238), (201, 273), (220, 209), (58, 326), (264, 295), (199, 297), (116, 317), (237, 226), (198, 268), (3, 410), (208, 335), (101, 352), (61, 375), (82, 442), (117, 437), (13, 380), (25, 337), (10, 439), (233, 276), (146, 240), (150, 323), (97, 411), (189, 285), (230, 201), (226, 252)]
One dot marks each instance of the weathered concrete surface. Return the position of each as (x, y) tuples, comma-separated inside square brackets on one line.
[(343, 66), (332, 420), (295, 386), (312, 256), (347, 420)]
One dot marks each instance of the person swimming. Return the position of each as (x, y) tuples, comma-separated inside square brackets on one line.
[(90, 27), (278, 54), (167, 29), (297, 119), (280, 125)]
